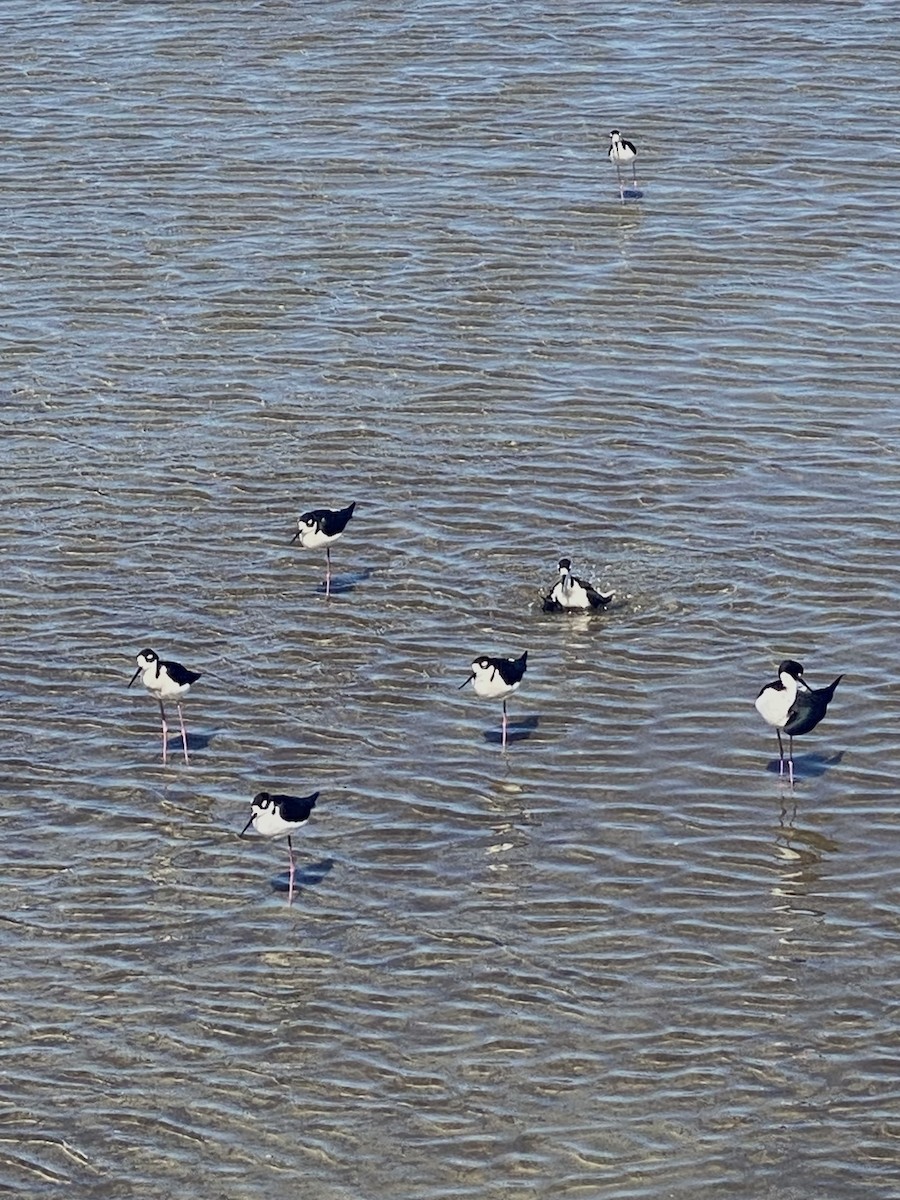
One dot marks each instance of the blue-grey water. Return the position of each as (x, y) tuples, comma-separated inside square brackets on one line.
[(259, 258)]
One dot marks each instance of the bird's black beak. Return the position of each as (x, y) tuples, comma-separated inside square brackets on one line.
[(294, 538), (134, 676), (468, 679), (247, 826)]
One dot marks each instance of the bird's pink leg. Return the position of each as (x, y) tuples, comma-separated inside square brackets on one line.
[(291, 877), (165, 734), (503, 728), (327, 570)]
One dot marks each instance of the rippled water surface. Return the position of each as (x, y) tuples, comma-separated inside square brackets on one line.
[(259, 258)]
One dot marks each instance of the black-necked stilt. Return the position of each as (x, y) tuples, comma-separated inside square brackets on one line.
[(622, 152), (165, 681), (320, 528), (569, 593), (497, 679), (793, 707), (278, 817)]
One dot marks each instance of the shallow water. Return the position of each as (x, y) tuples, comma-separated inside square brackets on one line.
[(262, 258)]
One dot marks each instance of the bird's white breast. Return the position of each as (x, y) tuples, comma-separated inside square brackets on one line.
[(488, 682), (160, 684), (773, 704), (269, 823), (620, 153), (313, 538)]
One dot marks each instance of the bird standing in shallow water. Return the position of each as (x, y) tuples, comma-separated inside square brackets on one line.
[(165, 681), (280, 816), (793, 707), (321, 527), (622, 152), (569, 593), (497, 679)]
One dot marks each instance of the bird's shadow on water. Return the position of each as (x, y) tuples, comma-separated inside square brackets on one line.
[(195, 741), (516, 731), (808, 766), (341, 584), (308, 876)]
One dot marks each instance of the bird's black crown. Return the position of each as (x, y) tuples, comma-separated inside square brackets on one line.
[(790, 667)]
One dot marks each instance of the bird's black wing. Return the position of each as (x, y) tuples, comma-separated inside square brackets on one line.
[(809, 708), (333, 522), (512, 670), (179, 674), (296, 808)]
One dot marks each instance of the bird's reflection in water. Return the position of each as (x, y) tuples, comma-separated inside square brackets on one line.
[(799, 853)]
